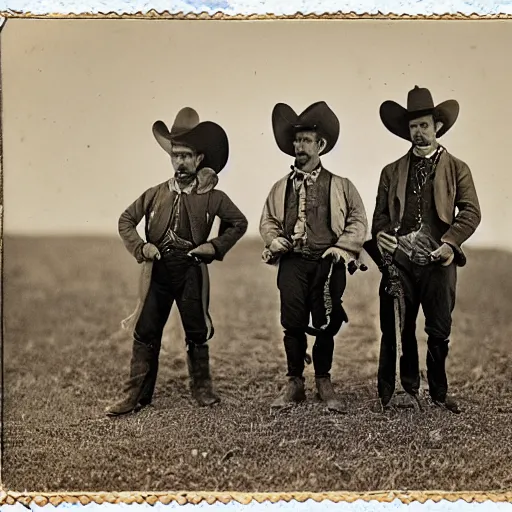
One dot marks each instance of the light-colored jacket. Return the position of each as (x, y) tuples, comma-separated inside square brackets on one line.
[(348, 216)]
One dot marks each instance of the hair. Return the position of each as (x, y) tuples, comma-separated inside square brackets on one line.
[(319, 134)]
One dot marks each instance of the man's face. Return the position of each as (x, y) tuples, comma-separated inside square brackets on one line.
[(423, 130), (307, 146), (184, 161)]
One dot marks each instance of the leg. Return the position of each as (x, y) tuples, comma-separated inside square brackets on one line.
[(146, 347), (320, 304), (409, 366), (193, 302), (438, 298), (327, 310), (292, 281)]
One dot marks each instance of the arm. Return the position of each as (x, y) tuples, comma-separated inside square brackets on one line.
[(356, 223), (381, 219), (127, 226), (469, 216), (270, 227), (232, 227)]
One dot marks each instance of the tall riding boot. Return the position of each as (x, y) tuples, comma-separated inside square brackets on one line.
[(149, 388), (436, 374), (140, 368), (199, 370)]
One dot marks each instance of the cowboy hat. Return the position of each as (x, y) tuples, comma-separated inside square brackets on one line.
[(419, 103), (318, 117), (204, 137)]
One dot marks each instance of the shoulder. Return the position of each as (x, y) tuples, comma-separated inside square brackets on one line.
[(457, 162), (395, 163), (341, 181), (280, 182)]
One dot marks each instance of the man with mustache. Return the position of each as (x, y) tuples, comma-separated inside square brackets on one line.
[(426, 208), (313, 225), (179, 217)]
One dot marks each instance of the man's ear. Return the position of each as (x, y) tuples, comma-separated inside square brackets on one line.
[(322, 144), (199, 158), (438, 126)]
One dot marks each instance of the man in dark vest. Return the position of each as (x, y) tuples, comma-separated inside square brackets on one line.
[(426, 208), (179, 215), (313, 225)]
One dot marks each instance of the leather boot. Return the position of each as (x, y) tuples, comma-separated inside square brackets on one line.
[(149, 388), (140, 367), (198, 361), (293, 392), (326, 394)]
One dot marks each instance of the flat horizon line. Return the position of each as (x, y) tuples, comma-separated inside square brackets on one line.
[(247, 238)]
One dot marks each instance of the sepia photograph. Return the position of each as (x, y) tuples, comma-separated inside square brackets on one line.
[(256, 256)]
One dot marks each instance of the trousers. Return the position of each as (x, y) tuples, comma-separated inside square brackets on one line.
[(433, 287), (301, 286), (182, 280)]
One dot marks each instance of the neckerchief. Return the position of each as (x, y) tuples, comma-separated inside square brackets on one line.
[(301, 180)]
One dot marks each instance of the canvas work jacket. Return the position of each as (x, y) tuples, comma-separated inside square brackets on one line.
[(347, 214), (455, 198), (202, 206)]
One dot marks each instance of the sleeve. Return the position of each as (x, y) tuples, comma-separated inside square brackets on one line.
[(381, 220), (270, 227), (356, 223), (468, 216), (127, 226), (233, 226)]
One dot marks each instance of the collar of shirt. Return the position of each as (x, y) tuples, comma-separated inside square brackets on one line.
[(429, 155), (298, 176), (174, 186)]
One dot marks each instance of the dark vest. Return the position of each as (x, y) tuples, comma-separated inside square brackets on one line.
[(419, 202), (318, 214)]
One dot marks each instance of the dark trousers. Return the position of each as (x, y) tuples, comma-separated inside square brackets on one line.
[(175, 279), (432, 287), (301, 286)]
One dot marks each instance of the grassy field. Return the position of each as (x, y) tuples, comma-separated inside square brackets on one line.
[(65, 359)]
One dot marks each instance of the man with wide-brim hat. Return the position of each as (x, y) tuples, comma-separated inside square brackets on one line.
[(313, 226), (179, 215), (426, 208)]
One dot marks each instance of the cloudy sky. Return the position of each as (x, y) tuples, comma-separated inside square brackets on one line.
[(80, 97)]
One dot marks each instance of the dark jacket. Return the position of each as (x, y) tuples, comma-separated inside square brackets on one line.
[(155, 205), (455, 198)]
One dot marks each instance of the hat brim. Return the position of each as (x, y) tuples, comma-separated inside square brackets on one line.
[(396, 118), (286, 123), (207, 138)]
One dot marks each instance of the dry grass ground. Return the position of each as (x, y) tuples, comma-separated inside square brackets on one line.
[(65, 360)]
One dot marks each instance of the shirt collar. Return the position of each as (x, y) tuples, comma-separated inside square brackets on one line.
[(174, 186), (298, 174)]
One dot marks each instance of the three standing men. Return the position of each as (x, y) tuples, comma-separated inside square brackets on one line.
[(313, 225), (415, 220), (179, 217)]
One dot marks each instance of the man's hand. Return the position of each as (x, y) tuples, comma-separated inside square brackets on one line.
[(279, 245), (443, 254), (205, 252), (150, 252), (387, 243), (336, 254)]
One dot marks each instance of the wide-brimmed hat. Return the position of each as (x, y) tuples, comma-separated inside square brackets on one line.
[(419, 103), (318, 117), (204, 137)]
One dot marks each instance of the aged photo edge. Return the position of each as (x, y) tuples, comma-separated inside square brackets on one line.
[(182, 498), (152, 498)]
